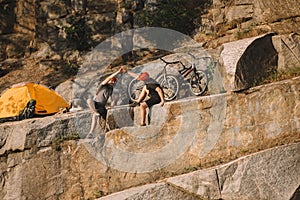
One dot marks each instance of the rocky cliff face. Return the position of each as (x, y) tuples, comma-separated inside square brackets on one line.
[(50, 157), (231, 20), (249, 177), (45, 41)]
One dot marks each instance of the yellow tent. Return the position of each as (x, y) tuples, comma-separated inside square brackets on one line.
[(14, 99)]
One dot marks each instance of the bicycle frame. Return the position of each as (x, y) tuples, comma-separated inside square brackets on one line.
[(168, 63), (195, 80), (185, 71)]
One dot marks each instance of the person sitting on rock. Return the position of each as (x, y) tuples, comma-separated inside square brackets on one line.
[(151, 89), (98, 103)]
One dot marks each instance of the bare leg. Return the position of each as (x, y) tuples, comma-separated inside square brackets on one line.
[(143, 109), (95, 117), (142, 95)]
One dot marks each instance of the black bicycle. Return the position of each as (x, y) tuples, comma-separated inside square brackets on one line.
[(196, 78)]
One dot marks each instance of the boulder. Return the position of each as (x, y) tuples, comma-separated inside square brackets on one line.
[(51, 157), (247, 62)]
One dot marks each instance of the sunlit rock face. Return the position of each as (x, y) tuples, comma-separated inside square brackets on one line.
[(51, 157)]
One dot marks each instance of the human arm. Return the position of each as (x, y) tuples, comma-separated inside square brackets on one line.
[(107, 79), (161, 95), (134, 75)]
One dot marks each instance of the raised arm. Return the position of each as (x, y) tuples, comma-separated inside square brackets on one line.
[(134, 75), (107, 79)]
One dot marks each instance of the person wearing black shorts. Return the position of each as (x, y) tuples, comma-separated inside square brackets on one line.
[(98, 103), (154, 92)]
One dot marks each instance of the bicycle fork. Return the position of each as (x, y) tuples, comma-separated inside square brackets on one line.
[(165, 77)]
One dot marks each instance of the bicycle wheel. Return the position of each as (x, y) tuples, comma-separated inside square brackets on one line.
[(198, 82), (170, 86), (134, 89)]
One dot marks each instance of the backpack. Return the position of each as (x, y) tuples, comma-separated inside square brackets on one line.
[(28, 111)]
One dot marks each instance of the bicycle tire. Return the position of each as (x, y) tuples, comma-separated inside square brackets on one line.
[(198, 82), (134, 89), (170, 86)]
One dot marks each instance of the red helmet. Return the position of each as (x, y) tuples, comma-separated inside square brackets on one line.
[(143, 76)]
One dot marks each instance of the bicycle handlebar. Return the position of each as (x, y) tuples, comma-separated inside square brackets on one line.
[(174, 62)]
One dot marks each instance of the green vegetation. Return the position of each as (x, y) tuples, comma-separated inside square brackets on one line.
[(78, 33), (179, 15), (70, 69), (60, 139), (282, 74), (98, 194)]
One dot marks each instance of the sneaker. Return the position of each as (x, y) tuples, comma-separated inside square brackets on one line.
[(134, 104)]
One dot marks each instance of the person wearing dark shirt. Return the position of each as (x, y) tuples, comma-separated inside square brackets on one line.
[(98, 103), (151, 89)]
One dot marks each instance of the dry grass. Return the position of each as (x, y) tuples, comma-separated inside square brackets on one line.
[(282, 75)]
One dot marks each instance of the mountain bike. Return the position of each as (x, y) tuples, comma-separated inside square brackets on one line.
[(196, 78)]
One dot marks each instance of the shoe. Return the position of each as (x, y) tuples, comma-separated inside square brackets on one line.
[(143, 125), (134, 104)]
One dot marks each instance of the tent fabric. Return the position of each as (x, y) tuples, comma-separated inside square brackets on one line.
[(14, 99)]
